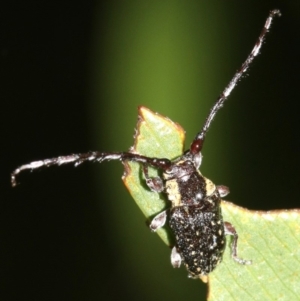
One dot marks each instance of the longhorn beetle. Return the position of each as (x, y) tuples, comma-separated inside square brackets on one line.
[(195, 214)]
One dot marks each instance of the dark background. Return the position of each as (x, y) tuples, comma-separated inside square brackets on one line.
[(75, 234)]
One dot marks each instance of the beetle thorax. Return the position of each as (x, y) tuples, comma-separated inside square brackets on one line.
[(185, 185)]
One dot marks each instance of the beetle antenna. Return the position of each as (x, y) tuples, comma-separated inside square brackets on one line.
[(197, 143), (99, 157)]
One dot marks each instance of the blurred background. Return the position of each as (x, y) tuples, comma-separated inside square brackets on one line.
[(72, 77)]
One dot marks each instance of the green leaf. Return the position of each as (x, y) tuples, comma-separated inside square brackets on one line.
[(270, 239), (156, 136)]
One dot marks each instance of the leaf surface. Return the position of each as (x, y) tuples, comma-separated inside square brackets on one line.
[(156, 136), (271, 239)]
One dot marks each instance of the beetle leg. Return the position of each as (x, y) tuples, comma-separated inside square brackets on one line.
[(223, 190), (158, 221), (175, 258), (230, 230), (154, 183)]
